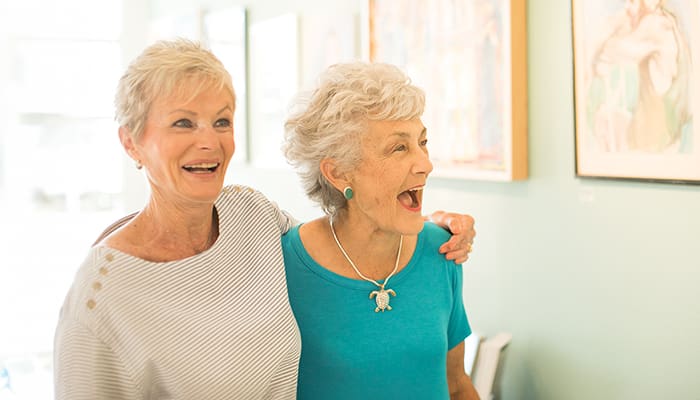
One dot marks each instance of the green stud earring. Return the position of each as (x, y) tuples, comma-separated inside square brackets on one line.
[(348, 193)]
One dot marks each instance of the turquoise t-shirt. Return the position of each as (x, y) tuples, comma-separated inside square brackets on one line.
[(349, 351)]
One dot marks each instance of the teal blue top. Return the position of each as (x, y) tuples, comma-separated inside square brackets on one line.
[(349, 351)]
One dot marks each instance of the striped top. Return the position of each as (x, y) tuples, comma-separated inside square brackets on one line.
[(216, 325)]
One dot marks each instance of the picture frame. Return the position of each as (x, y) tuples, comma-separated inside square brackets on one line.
[(470, 57), (633, 80)]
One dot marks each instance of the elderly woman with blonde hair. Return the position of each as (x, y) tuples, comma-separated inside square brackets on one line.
[(381, 314), (187, 298)]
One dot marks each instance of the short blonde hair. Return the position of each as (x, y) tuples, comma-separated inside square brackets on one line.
[(162, 69), (330, 120)]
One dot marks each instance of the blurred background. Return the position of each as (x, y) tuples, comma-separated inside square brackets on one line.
[(596, 280)]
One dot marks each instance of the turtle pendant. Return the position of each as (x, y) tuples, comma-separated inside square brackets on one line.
[(382, 298)]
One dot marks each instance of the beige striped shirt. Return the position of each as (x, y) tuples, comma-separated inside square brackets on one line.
[(216, 325)]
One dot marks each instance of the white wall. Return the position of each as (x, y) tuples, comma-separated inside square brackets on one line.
[(597, 280)]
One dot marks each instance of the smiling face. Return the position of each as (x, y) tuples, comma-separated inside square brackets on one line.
[(186, 145), (388, 184)]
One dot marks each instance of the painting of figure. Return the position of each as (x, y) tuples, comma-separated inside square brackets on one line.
[(634, 79)]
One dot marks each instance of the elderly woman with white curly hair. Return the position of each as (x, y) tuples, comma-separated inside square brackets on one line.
[(380, 312)]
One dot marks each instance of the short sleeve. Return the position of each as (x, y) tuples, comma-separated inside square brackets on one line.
[(259, 203), (285, 220), (459, 328)]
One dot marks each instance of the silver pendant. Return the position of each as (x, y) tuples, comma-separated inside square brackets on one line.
[(382, 298)]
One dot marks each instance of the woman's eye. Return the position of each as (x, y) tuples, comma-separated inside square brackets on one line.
[(400, 147), (424, 142), (222, 123), (183, 123)]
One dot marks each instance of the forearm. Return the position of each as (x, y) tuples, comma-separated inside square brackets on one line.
[(458, 382), (463, 389)]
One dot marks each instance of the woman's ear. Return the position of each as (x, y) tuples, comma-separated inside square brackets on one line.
[(331, 171), (128, 143)]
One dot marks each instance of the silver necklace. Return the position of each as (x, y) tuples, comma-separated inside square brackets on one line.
[(381, 296)]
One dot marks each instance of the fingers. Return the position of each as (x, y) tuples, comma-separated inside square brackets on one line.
[(461, 260), (458, 256), (458, 247), (462, 241), (460, 223)]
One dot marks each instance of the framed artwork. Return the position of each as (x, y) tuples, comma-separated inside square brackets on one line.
[(470, 58), (634, 80)]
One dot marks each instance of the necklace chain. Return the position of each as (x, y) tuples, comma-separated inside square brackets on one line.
[(352, 264)]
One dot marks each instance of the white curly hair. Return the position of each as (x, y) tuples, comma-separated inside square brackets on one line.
[(328, 121)]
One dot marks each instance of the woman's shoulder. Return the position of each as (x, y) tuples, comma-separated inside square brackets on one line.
[(88, 281), (305, 236), (240, 191), (242, 196), (434, 235), (243, 203), (429, 241)]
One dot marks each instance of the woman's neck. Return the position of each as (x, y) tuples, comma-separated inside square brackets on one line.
[(371, 249), (166, 232), (181, 223), (365, 238)]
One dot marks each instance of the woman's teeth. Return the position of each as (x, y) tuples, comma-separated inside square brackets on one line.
[(201, 167)]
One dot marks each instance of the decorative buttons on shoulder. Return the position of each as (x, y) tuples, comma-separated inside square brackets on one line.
[(97, 285)]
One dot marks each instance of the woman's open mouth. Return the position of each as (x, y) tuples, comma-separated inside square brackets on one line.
[(411, 199), (201, 168)]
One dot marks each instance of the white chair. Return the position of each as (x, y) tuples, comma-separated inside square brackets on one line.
[(471, 349), (488, 365)]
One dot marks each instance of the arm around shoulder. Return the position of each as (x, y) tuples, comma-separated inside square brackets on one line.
[(282, 218)]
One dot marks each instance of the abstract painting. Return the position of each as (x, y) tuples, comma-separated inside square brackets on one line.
[(470, 58)]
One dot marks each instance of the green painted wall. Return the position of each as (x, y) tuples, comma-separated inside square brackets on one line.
[(596, 280)]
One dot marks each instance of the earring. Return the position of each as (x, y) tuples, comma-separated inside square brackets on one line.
[(138, 164), (348, 193)]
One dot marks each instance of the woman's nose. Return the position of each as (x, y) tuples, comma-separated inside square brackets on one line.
[(423, 165), (207, 137)]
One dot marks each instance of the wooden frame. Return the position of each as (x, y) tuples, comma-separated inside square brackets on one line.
[(633, 80), (470, 58)]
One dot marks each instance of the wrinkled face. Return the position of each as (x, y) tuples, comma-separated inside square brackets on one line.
[(388, 184), (186, 145)]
